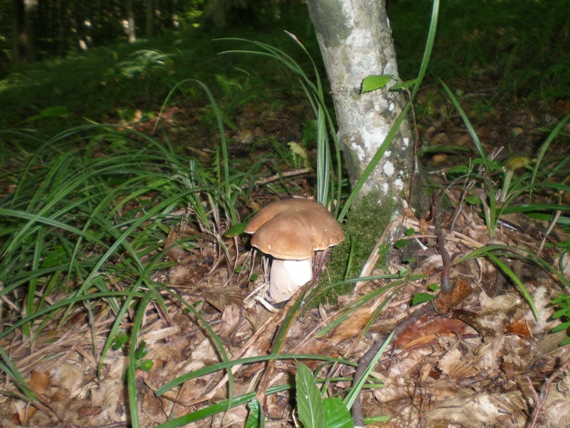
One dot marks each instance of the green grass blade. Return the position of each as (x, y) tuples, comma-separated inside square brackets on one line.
[(219, 408), (544, 149), (228, 364), (469, 127), (132, 367), (349, 399), (10, 369)]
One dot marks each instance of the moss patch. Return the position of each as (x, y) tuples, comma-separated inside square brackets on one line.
[(365, 224)]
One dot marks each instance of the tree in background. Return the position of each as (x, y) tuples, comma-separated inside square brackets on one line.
[(56, 27), (25, 19), (232, 13)]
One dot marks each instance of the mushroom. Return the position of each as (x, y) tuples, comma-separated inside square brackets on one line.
[(291, 231)]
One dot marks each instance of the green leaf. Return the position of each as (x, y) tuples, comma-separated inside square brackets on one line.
[(401, 244), (336, 414), (421, 298), (374, 82), (433, 287), (255, 418), (120, 341), (410, 231), (49, 113), (561, 327), (235, 230), (141, 351), (458, 169), (560, 313), (146, 365), (309, 401)]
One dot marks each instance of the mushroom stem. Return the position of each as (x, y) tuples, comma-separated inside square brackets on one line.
[(287, 276)]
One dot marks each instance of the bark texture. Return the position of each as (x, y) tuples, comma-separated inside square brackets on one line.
[(356, 41)]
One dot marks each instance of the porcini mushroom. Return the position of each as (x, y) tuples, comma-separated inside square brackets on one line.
[(291, 231)]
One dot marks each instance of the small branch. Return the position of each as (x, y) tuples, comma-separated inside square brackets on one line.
[(446, 271), (356, 410), (285, 174), (541, 400), (550, 227)]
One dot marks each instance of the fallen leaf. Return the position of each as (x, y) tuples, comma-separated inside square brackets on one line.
[(458, 293), (39, 382), (425, 330), (452, 364), (520, 328)]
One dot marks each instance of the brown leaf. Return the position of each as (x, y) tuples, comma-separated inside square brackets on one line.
[(458, 293), (39, 382), (88, 410), (452, 364), (221, 297), (352, 326), (231, 317), (424, 330), (24, 414), (520, 328)]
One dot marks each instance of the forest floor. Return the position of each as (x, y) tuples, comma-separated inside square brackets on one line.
[(483, 355), (481, 358)]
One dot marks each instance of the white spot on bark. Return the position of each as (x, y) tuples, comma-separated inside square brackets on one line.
[(385, 187), (389, 169), (399, 184), (360, 40), (387, 153), (373, 139), (359, 152), (391, 106), (406, 141)]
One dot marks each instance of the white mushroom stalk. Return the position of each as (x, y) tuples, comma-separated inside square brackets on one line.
[(292, 230), (287, 276)]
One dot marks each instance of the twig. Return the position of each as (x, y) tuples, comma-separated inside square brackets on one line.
[(285, 174), (356, 410), (446, 270), (541, 399), (550, 227)]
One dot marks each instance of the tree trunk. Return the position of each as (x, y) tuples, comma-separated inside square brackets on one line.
[(30, 11), (356, 41), (61, 28), (150, 19), (131, 34), (19, 47)]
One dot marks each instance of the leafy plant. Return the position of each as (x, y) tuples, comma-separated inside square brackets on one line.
[(313, 410), (563, 313)]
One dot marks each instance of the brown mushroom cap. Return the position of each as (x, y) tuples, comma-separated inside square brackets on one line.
[(293, 229)]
